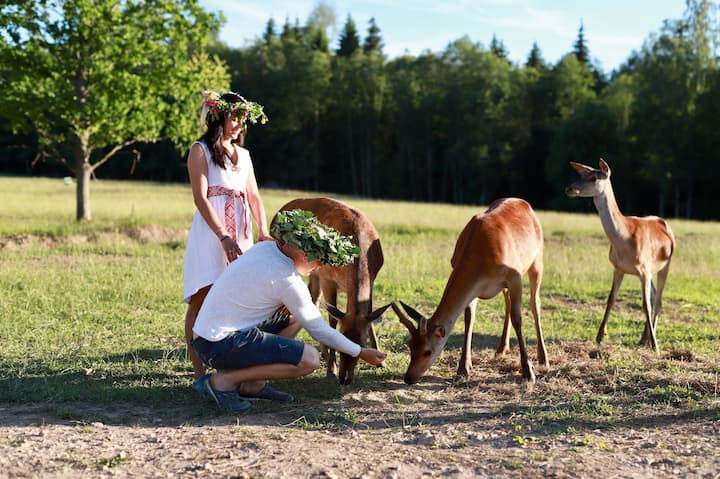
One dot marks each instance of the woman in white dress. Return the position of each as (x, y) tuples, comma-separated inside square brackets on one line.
[(226, 195)]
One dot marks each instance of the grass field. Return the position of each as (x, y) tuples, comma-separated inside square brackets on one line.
[(93, 312)]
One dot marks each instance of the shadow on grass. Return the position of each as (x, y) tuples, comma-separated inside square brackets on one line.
[(148, 394)]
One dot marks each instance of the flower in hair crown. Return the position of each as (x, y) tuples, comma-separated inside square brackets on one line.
[(216, 108)]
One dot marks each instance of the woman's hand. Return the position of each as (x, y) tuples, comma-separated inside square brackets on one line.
[(264, 237), (231, 248), (373, 356)]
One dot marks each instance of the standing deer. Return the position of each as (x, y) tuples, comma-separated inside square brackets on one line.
[(638, 246), (492, 254), (355, 279)]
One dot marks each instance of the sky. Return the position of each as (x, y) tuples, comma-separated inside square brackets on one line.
[(613, 29)]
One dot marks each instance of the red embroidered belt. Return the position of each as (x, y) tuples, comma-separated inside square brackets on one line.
[(231, 196)]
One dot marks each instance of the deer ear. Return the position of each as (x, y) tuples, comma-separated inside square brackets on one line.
[(604, 168), (422, 327), (412, 312), (334, 312), (581, 169), (377, 314), (404, 319)]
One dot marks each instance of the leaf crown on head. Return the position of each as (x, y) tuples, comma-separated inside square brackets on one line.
[(301, 229), (217, 108)]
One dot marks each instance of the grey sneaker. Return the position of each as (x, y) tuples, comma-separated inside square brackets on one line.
[(228, 400), (269, 393)]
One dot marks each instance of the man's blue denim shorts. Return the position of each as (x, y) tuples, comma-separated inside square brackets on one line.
[(252, 347)]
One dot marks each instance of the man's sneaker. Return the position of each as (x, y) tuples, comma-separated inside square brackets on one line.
[(199, 385), (228, 400), (269, 393)]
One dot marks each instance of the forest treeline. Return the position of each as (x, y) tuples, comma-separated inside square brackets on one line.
[(466, 124)]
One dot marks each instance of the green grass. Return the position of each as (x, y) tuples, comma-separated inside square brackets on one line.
[(90, 314)]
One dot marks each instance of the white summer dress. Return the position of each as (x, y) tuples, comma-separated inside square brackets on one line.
[(205, 259)]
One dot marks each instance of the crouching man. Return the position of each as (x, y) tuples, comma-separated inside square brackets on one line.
[(246, 325)]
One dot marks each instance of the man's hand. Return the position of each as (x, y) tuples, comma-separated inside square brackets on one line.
[(372, 356)]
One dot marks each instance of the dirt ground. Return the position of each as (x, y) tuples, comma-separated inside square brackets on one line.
[(578, 420), (584, 418)]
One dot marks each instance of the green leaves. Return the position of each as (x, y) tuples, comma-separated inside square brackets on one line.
[(105, 73), (301, 229)]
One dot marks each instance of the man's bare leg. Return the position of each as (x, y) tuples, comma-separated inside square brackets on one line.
[(228, 380)]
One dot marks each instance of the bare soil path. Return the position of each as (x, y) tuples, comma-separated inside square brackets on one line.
[(578, 421)]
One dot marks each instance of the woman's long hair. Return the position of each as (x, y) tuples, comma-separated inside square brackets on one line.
[(213, 136)]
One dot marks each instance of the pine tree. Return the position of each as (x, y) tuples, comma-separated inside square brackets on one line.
[(293, 31), (373, 41), (498, 48), (269, 33), (319, 40), (580, 48), (535, 59), (286, 30), (349, 39)]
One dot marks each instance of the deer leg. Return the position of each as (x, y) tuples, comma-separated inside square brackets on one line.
[(647, 308), (657, 303), (645, 338), (617, 281), (330, 294), (504, 344), (373, 335), (535, 274), (515, 290), (314, 287), (465, 363)]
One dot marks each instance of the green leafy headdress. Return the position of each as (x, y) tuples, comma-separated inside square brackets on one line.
[(301, 229), (215, 108)]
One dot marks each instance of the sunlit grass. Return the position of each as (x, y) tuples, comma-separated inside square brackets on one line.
[(101, 317)]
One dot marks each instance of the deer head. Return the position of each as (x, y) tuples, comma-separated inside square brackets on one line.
[(592, 181), (356, 331), (426, 342)]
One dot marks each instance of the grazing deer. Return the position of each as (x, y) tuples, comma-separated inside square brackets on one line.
[(638, 246), (355, 279), (492, 254)]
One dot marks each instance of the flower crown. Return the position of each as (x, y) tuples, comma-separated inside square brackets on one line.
[(301, 229), (215, 108)]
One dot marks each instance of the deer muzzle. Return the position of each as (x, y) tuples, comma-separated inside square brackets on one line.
[(346, 369)]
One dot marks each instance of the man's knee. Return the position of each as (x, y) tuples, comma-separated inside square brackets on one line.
[(310, 359)]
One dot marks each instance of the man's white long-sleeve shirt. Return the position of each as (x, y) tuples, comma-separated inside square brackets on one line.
[(252, 288)]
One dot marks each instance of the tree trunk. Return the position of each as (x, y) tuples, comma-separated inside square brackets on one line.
[(429, 172), (316, 149), (83, 171), (83, 192), (349, 146)]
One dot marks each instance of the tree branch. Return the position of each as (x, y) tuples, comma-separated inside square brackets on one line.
[(110, 154)]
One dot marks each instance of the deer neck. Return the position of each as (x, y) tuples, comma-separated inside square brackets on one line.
[(457, 295), (612, 219), (359, 297)]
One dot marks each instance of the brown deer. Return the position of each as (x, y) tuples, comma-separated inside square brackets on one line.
[(494, 251), (355, 279), (638, 246)]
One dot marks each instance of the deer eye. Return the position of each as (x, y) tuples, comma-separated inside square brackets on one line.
[(427, 353)]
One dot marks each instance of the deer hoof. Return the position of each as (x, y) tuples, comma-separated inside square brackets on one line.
[(529, 373)]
